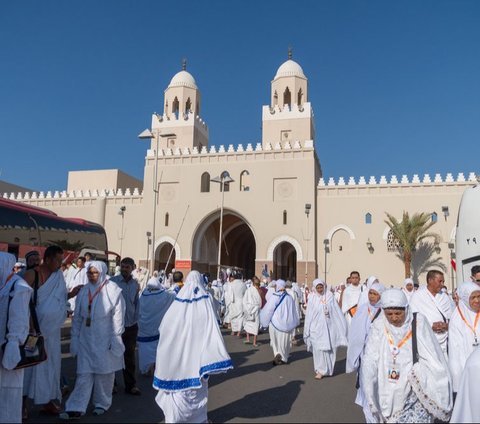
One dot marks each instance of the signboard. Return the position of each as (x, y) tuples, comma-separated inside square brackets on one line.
[(183, 264)]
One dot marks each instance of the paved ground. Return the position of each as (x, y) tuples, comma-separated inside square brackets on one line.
[(254, 391)]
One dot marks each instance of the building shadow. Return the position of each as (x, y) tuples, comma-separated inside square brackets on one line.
[(270, 403)]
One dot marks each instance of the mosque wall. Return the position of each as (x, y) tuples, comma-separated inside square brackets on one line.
[(343, 221)]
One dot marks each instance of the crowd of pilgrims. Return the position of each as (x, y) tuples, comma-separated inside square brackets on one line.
[(414, 349)]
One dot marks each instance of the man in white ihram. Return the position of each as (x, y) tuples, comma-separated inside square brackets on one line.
[(234, 301)]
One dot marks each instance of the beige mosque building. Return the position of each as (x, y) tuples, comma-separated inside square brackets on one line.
[(279, 212)]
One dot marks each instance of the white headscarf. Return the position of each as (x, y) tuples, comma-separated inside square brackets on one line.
[(280, 284), (191, 345), (101, 267), (378, 287), (364, 295), (280, 310), (465, 291), (154, 284), (394, 298)]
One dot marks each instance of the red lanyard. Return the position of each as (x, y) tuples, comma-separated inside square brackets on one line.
[(395, 349), (91, 297), (7, 280)]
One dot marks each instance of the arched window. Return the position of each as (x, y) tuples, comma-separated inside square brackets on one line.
[(300, 97), (368, 218), (188, 106), (284, 217), (205, 183), (434, 217), (392, 242), (287, 97), (167, 218), (175, 106), (275, 98), (245, 181)]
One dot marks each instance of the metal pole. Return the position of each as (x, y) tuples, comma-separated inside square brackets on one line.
[(325, 278), (121, 235), (306, 259), (222, 187), (155, 200), (175, 242)]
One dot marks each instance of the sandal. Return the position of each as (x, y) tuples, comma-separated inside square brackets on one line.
[(135, 391), (70, 415)]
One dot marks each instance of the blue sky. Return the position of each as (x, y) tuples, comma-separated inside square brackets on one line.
[(395, 86)]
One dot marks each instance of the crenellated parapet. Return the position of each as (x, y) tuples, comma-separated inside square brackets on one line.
[(287, 112), (394, 181), (240, 149), (75, 194)]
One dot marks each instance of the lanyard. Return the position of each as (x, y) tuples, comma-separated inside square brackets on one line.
[(474, 328), (7, 280), (91, 297), (372, 316), (396, 349)]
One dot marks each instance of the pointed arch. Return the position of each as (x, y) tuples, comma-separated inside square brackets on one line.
[(175, 106), (205, 183), (188, 106), (368, 218), (300, 97), (287, 97)]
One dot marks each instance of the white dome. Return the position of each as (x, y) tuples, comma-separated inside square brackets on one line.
[(290, 68), (183, 79)]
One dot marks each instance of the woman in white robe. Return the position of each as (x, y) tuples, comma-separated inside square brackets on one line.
[(325, 329), (463, 331), (466, 408), (364, 295), (252, 303), (357, 337), (153, 305), (14, 327), (190, 348), (280, 316), (397, 389), (96, 341), (408, 288), (42, 382)]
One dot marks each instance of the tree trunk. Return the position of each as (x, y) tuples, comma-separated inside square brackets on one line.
[(407, 260)]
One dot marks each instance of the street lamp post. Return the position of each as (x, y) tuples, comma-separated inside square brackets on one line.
[(122, 213), (308, 206), (147, 134), (326, 243), (223, 179)]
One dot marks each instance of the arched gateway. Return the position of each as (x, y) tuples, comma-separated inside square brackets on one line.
[(238, 244)]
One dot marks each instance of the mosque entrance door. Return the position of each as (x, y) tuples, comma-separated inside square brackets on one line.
[(161, 257), (285, 262), (238, 245)]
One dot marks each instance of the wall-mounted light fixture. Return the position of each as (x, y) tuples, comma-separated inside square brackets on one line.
[(445, 212), (437, 248), (370, 246)]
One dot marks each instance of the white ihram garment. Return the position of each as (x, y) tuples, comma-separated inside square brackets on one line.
[(466, 408), (423, 387), (190, 348), (79, 278), (325, 329), (153, 306), (461, 339), (11, 381), (234, 302), (252, 303), (281, 317), (350, 298), (99, 347), (435, 309), (42, 382)]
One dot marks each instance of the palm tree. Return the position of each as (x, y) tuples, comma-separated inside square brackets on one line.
[(408, 233)]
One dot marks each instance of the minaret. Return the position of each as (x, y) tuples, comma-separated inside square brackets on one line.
[(289, 116), (181, 114)]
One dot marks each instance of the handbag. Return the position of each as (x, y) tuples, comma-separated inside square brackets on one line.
[(32, 351)]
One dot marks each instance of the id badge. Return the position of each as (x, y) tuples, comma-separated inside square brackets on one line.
[(393, 375), (88, 322)]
